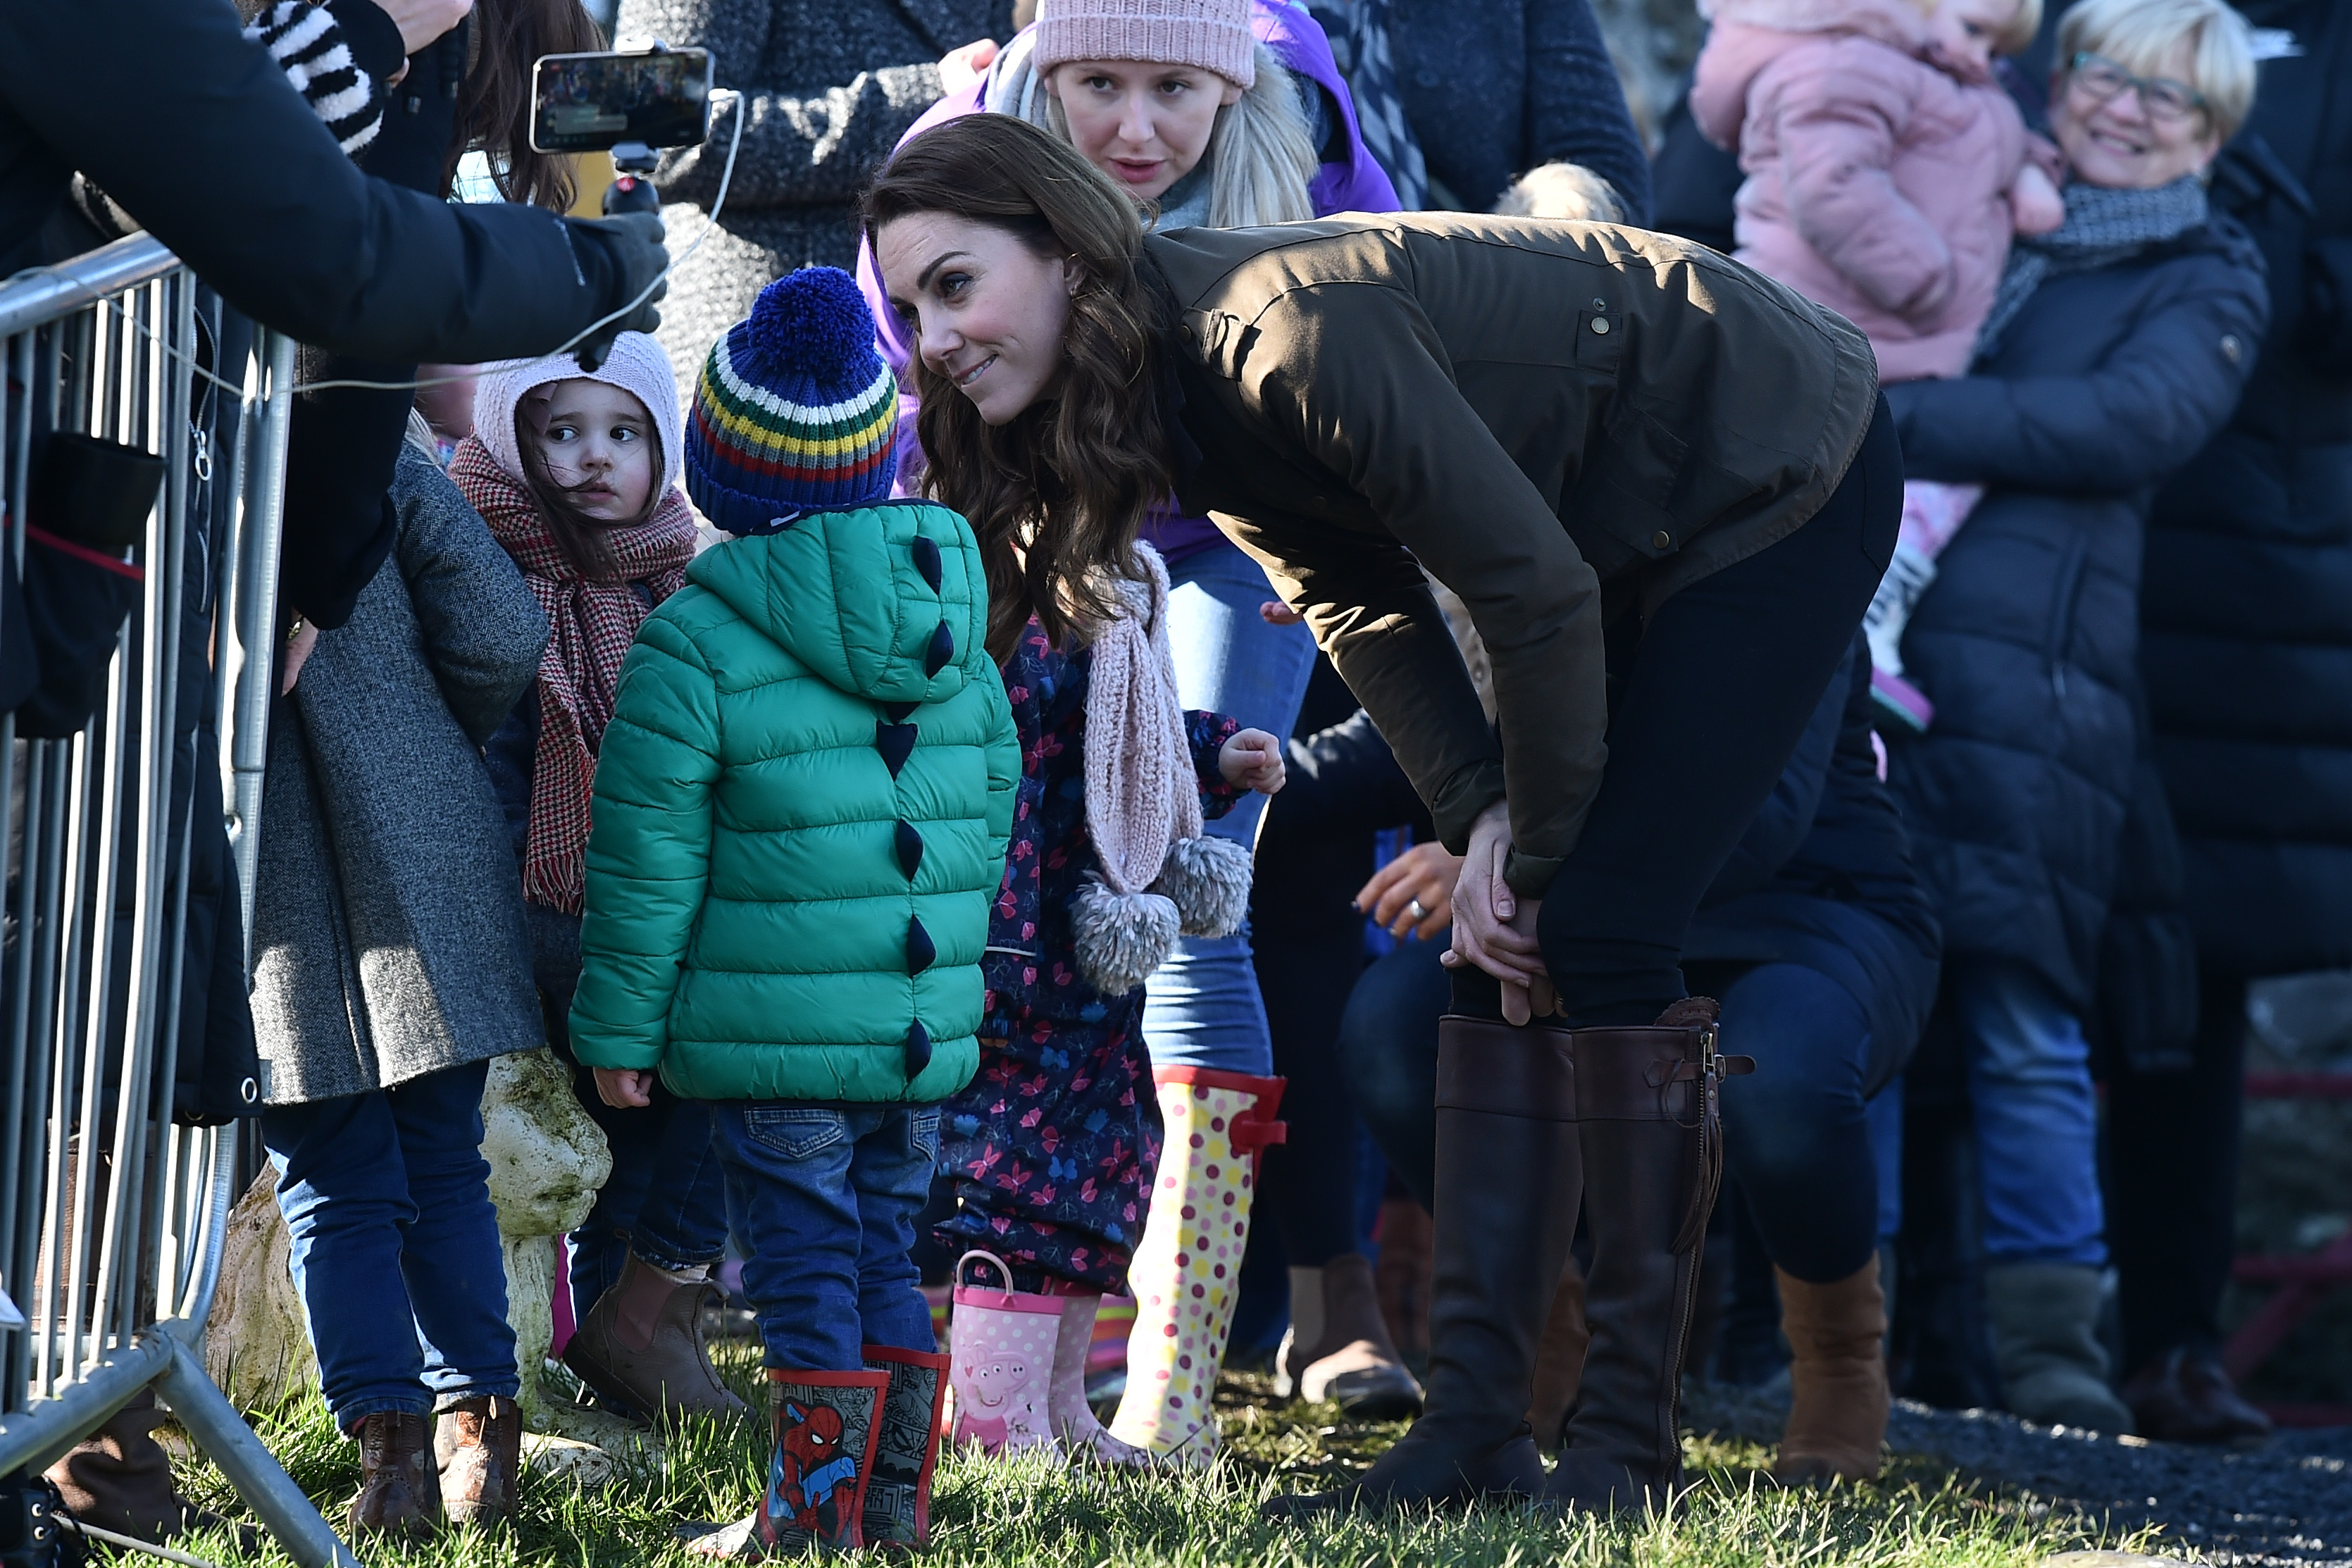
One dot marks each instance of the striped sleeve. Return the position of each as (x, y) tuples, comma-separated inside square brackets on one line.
[(310, 47)]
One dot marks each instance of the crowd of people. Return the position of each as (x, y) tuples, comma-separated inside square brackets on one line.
[(1208, 649)]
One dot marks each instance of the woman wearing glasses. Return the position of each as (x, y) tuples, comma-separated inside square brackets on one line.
[(2116, 345)]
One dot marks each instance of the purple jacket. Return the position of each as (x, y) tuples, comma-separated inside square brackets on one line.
[(1352, 184)]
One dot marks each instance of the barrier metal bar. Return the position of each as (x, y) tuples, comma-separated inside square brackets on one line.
[(111, 1218)]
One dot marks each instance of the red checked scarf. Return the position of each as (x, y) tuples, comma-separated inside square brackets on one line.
[(590, 626)]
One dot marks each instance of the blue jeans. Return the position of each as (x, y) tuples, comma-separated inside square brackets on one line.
[(665, 1199), (1203, 1007), (2037, 1120), (1388, 1049), (396, 1256), (826, 1202), (1797, 1133)]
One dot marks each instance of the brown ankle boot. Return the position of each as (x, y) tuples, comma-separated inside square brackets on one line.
[(477, 1446), (398, 1495), (1559, 1362), (641, 1348), (1837, 1376), (1350, 1360)]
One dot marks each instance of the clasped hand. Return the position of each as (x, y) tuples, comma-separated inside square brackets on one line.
[(1493, 928)]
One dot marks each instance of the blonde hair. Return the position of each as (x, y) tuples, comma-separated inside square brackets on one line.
[(1561, 191), (1260, 155), (2136, 34), (2017, 35)]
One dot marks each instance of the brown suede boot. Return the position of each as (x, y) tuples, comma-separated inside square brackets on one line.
[(120, 1478), (477, 1447), (1401, 1279), (1837, 1377), (1337, 1348), (1559, 1362), (398, 1495), (641, 1348)]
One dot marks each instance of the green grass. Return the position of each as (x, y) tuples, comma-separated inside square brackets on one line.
[(1031, 1511)]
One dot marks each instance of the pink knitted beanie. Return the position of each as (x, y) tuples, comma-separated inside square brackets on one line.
[(1214, 34)]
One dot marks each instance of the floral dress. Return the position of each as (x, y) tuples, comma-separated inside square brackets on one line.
[(1053, 1144)]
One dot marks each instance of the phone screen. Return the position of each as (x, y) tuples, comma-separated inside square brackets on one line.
[(587, 103)]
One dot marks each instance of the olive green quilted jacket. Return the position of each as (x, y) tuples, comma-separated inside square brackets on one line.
[(801, 815)]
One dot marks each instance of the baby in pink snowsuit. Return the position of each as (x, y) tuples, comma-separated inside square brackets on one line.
[(1887, 176)]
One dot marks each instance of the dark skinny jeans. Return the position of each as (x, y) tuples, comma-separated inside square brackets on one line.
[(1713, 696)]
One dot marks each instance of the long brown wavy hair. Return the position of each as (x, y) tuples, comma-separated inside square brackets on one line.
[(494, 102), (1069, 479)]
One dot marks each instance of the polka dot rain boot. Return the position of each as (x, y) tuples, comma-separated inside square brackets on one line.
[(1187, 1271), (1001, 1361)]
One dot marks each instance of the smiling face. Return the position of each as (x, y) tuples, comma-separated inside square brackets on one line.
[(2118, 142), (1145, 125), (595, 442), (1963, 35), (987, 311)]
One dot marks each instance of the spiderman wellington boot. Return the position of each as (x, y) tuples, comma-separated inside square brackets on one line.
[(898, 1514), (825, 1426), (1187, 1271), (1001, 1361)]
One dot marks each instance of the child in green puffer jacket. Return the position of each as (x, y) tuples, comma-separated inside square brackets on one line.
[(801, 808)]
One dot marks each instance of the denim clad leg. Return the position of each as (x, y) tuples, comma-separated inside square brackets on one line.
[(891, 1172), (395, 1244), (1388, 1046), (2036, 1117), (789, 1186), (344, 1192), (1203, 1008), (1796, 1133), (681, 1221), (451, 1257)]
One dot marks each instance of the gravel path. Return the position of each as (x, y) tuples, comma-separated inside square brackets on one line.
[(2287, 1502)]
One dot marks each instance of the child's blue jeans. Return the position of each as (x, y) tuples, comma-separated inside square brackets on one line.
[(824, 1203)]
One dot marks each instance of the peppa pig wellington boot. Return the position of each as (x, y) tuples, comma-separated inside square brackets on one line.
[(1001, 1361), (1187, 1271)]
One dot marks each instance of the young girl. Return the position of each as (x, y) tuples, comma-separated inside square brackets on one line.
[(1887, 176), (1218, 113), (578, 477), (800, 812)]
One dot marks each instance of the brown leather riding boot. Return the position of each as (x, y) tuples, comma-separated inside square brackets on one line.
[(1559, 1362), (1652, 1139), (398, 1494), (1507, 1185), (477, 1447), (641, 1351), (1837, 1377)]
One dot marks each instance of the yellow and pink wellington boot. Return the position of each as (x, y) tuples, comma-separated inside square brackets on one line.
[(1187, 1271)]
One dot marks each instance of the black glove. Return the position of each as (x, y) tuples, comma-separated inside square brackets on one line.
[(633, 243)]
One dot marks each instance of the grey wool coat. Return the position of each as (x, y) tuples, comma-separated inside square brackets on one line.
[(388, 932), (829, 86)]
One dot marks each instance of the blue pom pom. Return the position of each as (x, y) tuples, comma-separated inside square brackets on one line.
[(815, 321)]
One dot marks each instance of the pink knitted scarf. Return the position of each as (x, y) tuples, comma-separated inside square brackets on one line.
[(1142, 794)]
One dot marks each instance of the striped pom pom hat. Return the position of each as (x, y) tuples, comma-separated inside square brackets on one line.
[(795, 412)]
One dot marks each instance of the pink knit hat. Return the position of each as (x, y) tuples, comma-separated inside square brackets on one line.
[(1214, 34)]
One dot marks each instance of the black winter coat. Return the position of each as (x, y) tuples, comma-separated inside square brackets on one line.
[(2027, 641), (199, 136), (1497, 88), (2248, 609)]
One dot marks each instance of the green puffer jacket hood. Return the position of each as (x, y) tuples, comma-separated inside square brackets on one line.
[(801, 808)]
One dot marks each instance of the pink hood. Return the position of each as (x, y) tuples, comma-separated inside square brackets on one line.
[(1877, 183)]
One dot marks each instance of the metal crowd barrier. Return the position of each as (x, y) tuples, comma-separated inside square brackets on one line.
[(111, 1218)]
